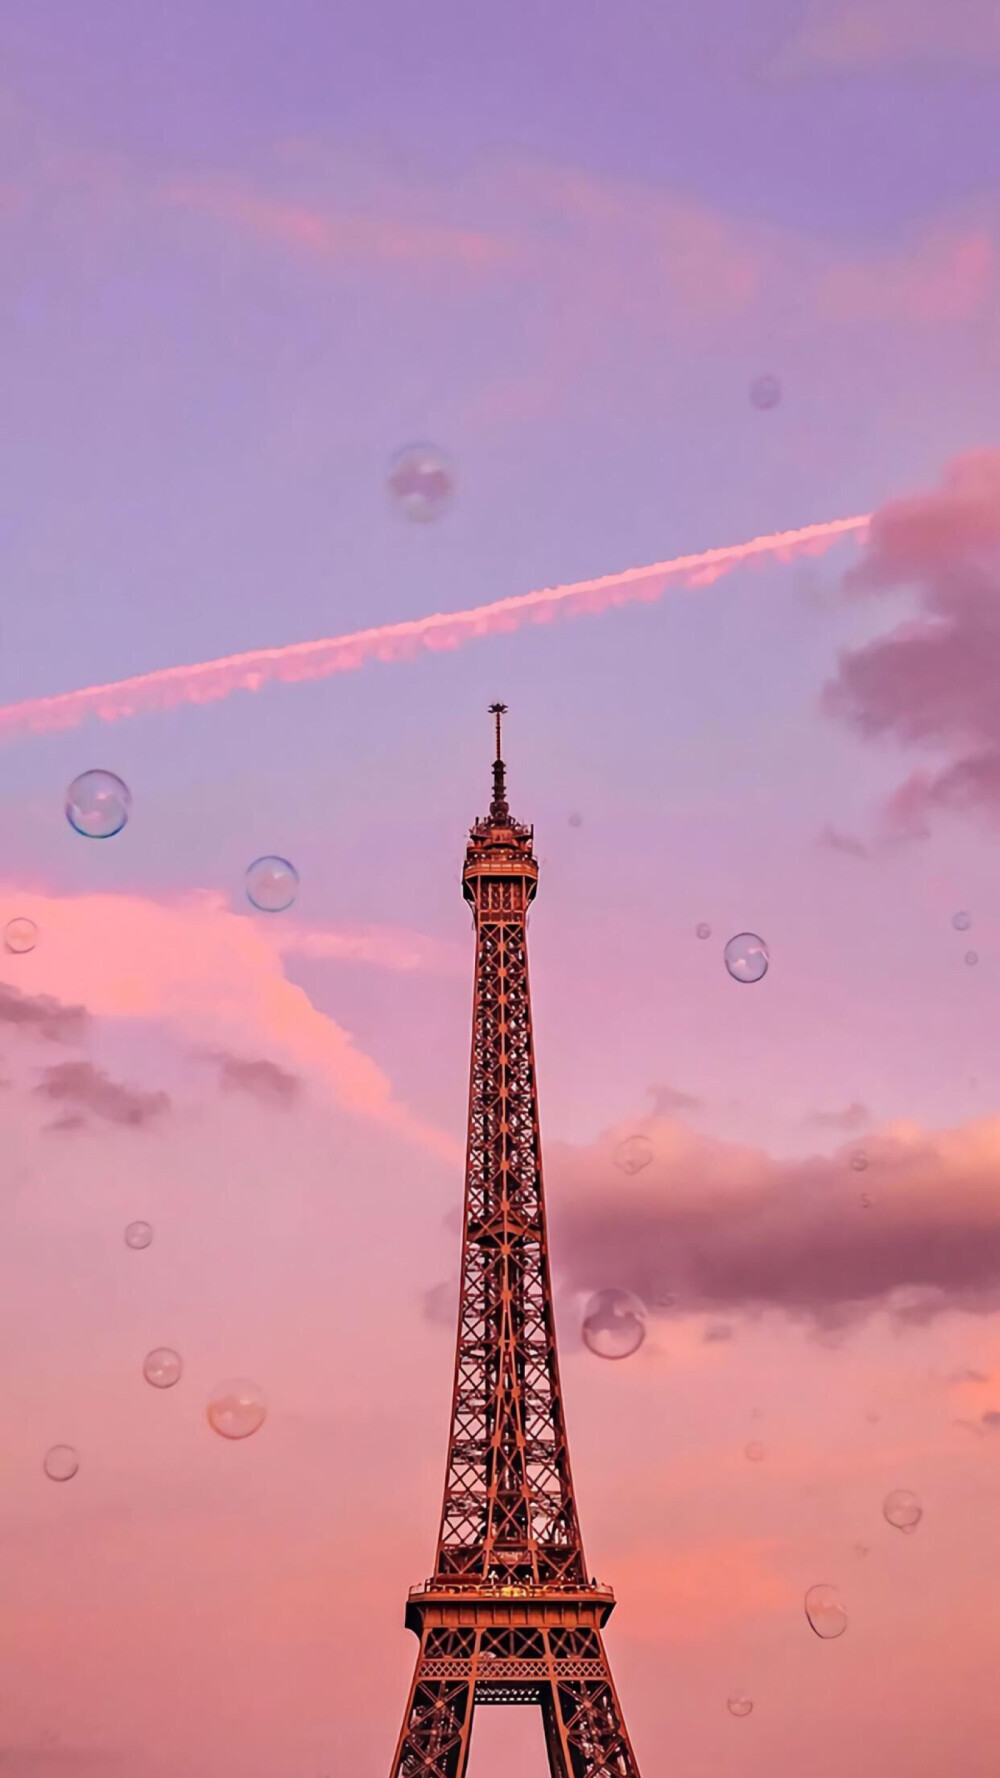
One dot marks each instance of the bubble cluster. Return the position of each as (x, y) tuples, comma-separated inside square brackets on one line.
[(20, 935), (236, 1408), (746, 957), (61, 1463), (902, 1509), (614, 1324), (825, 1612), (272, 884), (633, 1154), (421, 482), (138, 1235), (961, 921), (765, 391), (738, 1704), (98, 804), (162, 1367)]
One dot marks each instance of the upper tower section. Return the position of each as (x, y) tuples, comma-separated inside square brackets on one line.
[(500, 876)]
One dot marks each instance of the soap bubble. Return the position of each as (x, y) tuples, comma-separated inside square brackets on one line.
[(162, 1367), (61, 1463), (866, 1202), (738, 1704), (961, 921), (421, 482), (902, 1509), (20, 935), (703, 929), (746, 957), (138, 1235), (614, 1324), (765, 391), (825, 1612), (237, 1408), (576, 820), (272, 884), (98, 804), (971, 957), (754, 1451), (633, 1154), (859, 1160)]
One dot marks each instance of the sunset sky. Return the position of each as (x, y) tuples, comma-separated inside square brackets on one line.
[(247, 253)]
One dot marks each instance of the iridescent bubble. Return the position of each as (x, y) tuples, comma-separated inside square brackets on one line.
[(138, 1235), (98, 804), (20, 935), (61, 1463), (703, 929), (765, 391), (421, 482), (738, 1704), (971, 957), (614, 1324), (859, 1160), (272, 884), (825, 1612), (633, 1154), (754, 1451), (961, 921), (746, 957), (902, 1509), (237, 1408), (162, 1367)]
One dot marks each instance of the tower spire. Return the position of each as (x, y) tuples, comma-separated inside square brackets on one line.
[(499, 810)]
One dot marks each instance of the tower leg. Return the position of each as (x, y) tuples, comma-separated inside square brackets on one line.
[(434, 1739), (585, 1731)]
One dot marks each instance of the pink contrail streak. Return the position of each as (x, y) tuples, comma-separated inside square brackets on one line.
[(202, 683)]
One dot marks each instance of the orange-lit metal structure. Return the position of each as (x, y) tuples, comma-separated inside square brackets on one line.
[(508, 1616)]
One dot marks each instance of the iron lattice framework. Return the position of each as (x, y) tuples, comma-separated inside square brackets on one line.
[(508, 1616)]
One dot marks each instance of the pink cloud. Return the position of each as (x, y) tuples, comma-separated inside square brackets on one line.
[(838, 35), (946, 277)]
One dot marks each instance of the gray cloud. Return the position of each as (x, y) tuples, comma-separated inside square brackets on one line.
[(853, 1117), (667, 1099), (39, 1015), (261, 1079), (82, 1086), (836, 841)]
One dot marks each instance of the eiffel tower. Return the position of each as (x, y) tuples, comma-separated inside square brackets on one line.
[(508, 1616)]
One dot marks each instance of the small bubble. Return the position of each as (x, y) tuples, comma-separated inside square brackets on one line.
[(738, 1704), (20, 935), (866, 1202), (859, 1160), (902, 1509), (861, 1549), (576, 820), (421, 482), (162, 1367), (825, 1612), (961, 921), (633, 1154), (614, 1324), (703, 929), (746, 957), (971, 957), (61, 1463), (765, 391), (272, 884), (98, 804), (138, 1235), (236, 1408), (754, 1451)]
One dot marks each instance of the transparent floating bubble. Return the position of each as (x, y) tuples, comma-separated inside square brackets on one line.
[(576, 820), (902, 1509), (272, 884), (138, 1235), (859, 1160), (421, 482), (20, 935), (738, 1704), (614, 1324), (866, 1202), (746, 957), (825, 1612), (633, 1154), (61, 1463), (703, 929), (237, 1408), (971, 957), (765, 391), (754, 1451), (961, 921), (98, 804), (162, 1367)]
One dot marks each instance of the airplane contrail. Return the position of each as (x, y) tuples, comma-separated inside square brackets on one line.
[(206, 681)]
